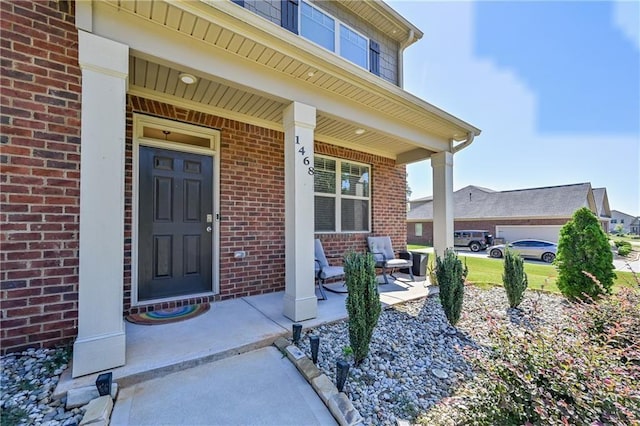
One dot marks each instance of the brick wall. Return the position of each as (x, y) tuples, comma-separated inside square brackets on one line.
[(252, 202), (251, 197), (388, 203), (40, 174), (488, 225)]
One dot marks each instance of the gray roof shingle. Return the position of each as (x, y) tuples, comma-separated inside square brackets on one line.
[(473, 202)]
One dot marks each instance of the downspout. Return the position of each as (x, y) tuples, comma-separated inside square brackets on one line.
[(403, 46), (462, 145)]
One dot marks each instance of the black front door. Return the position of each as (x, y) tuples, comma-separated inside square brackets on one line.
[(175, 224)]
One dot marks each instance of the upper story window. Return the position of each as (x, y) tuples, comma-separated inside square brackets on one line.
[(353, 46), (318, 27), (342, 195), (326, 31)]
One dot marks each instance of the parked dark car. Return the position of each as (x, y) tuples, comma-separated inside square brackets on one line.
[(532, 249)]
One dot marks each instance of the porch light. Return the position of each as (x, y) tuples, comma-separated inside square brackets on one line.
[(188, 78), (103, 383), (315, 345), (360, 131), (297, 329), (342, 370)]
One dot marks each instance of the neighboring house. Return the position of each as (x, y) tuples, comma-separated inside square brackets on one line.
[(160, 153), (634, 228), (628, 222), (511, 215)]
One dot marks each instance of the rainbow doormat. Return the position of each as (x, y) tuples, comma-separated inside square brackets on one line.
[(166, 316)]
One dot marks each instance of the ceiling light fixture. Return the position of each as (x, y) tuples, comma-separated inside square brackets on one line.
[(360, 131), (311, 74), (188, 78)]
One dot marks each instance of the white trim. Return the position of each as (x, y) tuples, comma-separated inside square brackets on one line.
[(139, 120), (336, 35), (339, 196)]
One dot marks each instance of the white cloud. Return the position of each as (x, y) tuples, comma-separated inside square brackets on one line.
[(510, 153), (626, 17)]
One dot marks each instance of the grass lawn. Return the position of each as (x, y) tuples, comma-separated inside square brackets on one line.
[(416, 247), (488, 272)]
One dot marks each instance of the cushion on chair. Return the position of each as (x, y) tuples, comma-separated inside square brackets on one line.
[(380, 245), (320, 256), (331, 272), (398, 263)]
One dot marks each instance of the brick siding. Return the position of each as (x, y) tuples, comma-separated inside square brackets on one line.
[(387, 198), (252, 202), (40, 179), (40, 197)]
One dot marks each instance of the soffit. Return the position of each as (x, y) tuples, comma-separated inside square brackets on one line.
[(162, 82), (226, 26), (384, 18)]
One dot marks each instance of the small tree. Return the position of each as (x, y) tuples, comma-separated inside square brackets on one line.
[(363, 302), (514, 278), (450, 275), (584, 247)]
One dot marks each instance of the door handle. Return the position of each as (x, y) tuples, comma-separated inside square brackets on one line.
[(209, 229)]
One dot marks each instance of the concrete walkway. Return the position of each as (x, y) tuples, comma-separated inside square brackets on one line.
[(255, 388), (220, 368)]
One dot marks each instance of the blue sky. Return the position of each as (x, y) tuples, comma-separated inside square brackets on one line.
[(554, 86)]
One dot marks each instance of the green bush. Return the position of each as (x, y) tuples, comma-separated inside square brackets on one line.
[(624, 250), (584, 249), (586, 372), (514, 278), (363, 302), (450, 275), (620, 243)]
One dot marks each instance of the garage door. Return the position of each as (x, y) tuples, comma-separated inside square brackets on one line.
[(519, 232)]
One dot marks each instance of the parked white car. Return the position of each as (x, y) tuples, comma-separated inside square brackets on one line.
[(532, 249)]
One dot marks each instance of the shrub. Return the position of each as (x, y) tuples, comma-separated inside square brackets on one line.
[(620, 243), (586, 372), (450, 275), (583, 247), (363, 302), (514, 278), (624, 250)]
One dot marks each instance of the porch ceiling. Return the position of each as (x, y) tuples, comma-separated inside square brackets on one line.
[(398, 125), (162, 82)]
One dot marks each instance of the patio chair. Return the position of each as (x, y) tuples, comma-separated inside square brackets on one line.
[(385, 257), (324, 271)]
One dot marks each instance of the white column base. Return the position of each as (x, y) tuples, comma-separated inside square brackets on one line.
[(300, 309), (98, 353)]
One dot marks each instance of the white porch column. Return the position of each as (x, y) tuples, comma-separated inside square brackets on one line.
[(442, 165), (101, 338), (300, 302)]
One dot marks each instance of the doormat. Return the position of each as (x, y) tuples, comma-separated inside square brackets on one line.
[(166, 316)]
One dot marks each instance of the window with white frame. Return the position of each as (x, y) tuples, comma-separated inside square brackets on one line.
[(418, 230), (323, 29), (342, 195)]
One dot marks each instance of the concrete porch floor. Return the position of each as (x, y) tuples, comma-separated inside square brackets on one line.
[(229, 328)]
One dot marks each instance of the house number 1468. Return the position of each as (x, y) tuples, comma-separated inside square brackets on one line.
[(305, 158)]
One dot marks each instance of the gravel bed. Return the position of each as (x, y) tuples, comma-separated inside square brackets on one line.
[(414, 360), (27, 382), (415, 357)]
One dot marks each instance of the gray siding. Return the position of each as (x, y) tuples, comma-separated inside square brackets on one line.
[(271, 10), (268, 9), (388, 47)]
